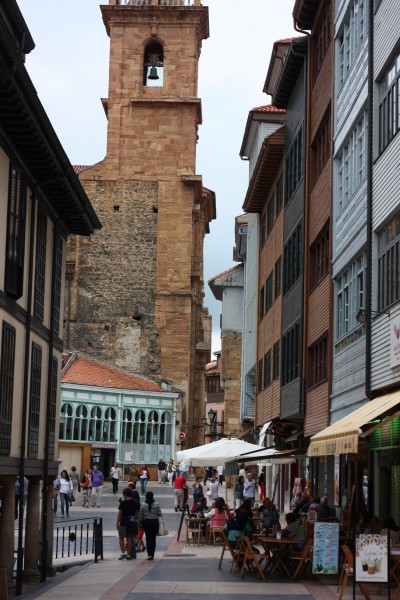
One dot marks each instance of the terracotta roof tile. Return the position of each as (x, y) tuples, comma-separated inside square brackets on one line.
[(268, 109), (79, 168), (225, 272), (87, 371)]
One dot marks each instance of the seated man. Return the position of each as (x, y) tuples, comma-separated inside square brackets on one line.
[(239, 525), (270, 514), (294, 530)]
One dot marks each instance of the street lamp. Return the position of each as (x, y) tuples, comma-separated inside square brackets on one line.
[(363, 314)]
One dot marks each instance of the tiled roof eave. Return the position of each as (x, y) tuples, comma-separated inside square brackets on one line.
[(265, 172)]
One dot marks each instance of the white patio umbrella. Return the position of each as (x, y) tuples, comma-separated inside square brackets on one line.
[(216, 453)]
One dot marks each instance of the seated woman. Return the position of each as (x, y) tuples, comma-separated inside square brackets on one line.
[(390, 528), (217, 514), (240, 525)]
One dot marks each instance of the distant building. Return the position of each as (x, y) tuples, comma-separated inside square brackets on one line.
[(41, 203), (228, 287), (214, 407), (108, 415)]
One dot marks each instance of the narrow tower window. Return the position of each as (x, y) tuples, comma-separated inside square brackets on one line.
[(153, 69)]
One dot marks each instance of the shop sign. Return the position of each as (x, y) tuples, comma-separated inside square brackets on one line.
[(395, 342), (109, 446), (326, 548), (371, 557)]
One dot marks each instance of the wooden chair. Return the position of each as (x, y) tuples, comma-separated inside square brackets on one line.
[(194, 531), (251, 559), (234, 552), (347, 571), (304, 558)]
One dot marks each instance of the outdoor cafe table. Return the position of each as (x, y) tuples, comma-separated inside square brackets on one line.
[(275, 551)]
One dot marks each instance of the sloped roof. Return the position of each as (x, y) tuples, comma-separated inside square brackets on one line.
[(82, 370), (269, 108), (224, 273)]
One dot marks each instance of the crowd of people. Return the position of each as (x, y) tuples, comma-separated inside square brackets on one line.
[(138, 518)]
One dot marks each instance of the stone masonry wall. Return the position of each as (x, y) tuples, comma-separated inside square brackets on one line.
[(112, 299)]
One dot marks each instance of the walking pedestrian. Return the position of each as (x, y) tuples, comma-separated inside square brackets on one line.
[(208, 473), (74, 476), (150, 512), (220, 471), (144, 476), (161, 470), (115, 474), (127, 524), (212, 489), (179, 492), (86, 487), (97, 486), (249, 485), (133, 474), (171, 469), (239, 488), (65, 492)]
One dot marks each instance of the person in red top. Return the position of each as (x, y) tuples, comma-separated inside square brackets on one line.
[(179, 492)]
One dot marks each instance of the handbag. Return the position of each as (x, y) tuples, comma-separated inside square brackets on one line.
[(162, 528)]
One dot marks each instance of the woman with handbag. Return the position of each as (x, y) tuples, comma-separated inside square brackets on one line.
[(150, 513)]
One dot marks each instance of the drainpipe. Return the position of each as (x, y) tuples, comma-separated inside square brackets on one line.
[(368, 283), (306, 222), (24, 416), (194, 368)]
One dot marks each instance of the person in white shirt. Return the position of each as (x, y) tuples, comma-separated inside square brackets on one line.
[(66, 487), (220, 471), (115, 477), (249, 488)]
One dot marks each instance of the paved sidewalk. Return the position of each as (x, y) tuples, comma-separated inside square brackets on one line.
[(178, 572)]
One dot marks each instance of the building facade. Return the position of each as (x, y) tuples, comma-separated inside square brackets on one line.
[(228, 288), (108, 415), (135, 292), (41, 203)]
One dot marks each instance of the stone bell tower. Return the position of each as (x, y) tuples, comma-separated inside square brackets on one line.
[(134, 293)]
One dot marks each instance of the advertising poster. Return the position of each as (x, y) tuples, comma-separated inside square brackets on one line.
[(326, 548), (371, 557)]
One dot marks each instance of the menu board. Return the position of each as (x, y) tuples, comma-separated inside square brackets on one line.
[(371, 557), (326, 548)]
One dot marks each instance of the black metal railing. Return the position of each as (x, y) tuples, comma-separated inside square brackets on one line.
[(79, 538)]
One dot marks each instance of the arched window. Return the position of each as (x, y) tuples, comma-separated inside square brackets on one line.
[(139, 428), (96, 424), (165, 429), (127, 426), (80, 423), (153, 65), (152, 428), (109, 425), (66, 422)]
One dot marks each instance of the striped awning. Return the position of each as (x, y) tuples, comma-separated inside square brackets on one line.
[(343, 436)]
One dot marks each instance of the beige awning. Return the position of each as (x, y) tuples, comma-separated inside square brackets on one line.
[(342, 437)]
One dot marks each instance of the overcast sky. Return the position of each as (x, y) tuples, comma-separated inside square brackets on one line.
[(69, 68)]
